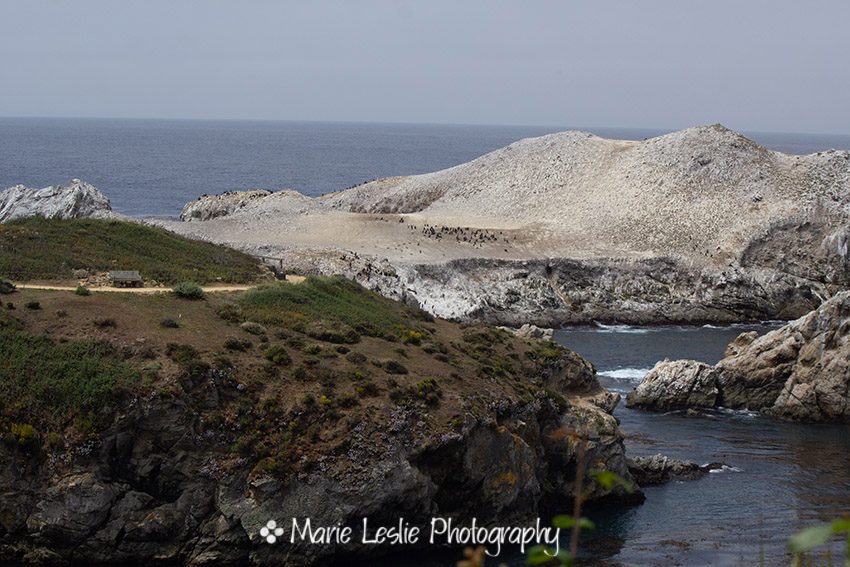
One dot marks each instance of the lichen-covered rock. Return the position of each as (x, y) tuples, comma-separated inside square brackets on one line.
[(799, 372), (208, 207), (677, 384), (77, 200), (528, 331)]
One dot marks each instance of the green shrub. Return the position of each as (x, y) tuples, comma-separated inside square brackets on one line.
[(312, 349), (253, 328), (394, 367), (339, 333), (232, 343), (55, 441), (24, 435), (411, 337), (169, 323), (367, 389), (52, 384), (278, 355), (229, 312), (181, 354), (105, 323), (34, 305), (429, 391), (355, 357), (82, 290), (6, 287), (348, 401), (188, 290)]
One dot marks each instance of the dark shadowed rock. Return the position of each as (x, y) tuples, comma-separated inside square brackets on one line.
[(660, 469)]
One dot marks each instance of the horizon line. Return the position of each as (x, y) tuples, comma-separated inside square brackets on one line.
[(561, 128)]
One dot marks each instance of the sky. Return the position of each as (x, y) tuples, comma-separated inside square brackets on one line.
[(755, 65)]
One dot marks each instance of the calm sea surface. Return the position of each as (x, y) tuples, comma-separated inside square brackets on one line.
[(785, 476), (153, 167)]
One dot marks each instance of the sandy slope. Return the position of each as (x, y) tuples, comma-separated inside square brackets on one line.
[(701, 193)]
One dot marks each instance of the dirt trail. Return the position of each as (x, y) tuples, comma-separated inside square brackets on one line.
[(207, 289)]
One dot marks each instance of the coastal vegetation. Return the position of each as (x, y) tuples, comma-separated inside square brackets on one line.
[(52, 249), (278, 381)]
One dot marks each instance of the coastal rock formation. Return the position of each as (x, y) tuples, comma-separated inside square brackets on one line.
[(151, 489), (77, 200), (677, 384), (208, 207), (189, 472), (532, 332), (698, 225), (660, 469), (799, 372)]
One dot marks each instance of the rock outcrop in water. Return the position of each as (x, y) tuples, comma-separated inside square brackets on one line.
[(77, 200), (660, 469), (799, 372), (698, 225)]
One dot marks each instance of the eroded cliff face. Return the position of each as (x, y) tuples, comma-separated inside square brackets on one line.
[(556, 291), (799, 372), (158, 486), (76, 200)]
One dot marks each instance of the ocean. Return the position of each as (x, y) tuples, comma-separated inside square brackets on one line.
[(783, 476), (154, 167)]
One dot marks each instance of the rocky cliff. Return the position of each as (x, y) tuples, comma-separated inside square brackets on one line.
[(798, 372), (188, 456), (76, 200), (698, 225)]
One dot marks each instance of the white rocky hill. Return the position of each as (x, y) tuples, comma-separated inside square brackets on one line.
[(698, 225), (76, 200)]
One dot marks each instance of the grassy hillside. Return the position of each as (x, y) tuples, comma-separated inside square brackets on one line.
[(52, 383), (329, 303), (281, 372), (51, 249)]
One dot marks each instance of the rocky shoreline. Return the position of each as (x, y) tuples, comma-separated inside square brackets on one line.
[(799, 372), (149, 490)]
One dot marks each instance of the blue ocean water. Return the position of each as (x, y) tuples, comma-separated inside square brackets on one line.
[(153, 167)]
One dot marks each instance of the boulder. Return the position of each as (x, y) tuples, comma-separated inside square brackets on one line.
[(528, 331), (209, 207), (660, 469), (800, 372), (677, 384), (77, 200)]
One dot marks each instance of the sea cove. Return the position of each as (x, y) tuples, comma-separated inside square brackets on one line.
[(426, 284)]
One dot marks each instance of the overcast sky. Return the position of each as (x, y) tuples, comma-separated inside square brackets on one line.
[(771, 65)]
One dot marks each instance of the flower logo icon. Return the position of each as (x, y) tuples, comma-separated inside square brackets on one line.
[(270, 532)]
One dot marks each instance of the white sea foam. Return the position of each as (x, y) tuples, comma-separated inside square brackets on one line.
[(626, 374), (726, 468), (600, 328)]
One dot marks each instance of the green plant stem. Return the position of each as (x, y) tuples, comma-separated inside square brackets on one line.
[(578, 501)]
